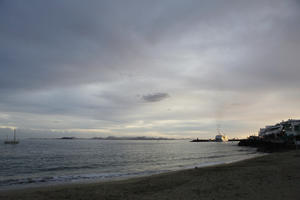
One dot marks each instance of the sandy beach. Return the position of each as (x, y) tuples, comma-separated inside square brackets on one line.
[(274, 176)]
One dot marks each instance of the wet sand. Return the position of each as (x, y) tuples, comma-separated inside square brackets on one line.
[(274, 176)]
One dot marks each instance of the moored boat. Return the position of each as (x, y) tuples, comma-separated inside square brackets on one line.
[(14, 141), (221, 138)]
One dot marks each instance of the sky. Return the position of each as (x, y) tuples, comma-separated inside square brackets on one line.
[(160, 68)]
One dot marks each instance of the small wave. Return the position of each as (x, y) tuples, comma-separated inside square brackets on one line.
[(72, 178), (61, 168), (23, 181)]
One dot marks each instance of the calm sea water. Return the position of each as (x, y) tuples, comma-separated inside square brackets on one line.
[(52, 161)]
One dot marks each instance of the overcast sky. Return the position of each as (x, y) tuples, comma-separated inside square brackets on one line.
[(169, 68)]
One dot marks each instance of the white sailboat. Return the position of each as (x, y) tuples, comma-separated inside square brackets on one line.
[(14, 141)]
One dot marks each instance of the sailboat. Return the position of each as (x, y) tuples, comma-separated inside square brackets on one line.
[(14, 141)]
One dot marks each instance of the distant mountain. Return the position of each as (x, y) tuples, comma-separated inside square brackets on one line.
[(119, 138), (131, 138)]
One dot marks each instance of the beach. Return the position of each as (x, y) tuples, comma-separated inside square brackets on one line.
[(273, 176)]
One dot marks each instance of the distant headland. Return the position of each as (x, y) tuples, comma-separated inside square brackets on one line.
[(119, 138)]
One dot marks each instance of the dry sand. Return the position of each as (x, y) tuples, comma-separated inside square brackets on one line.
[(275, 176)]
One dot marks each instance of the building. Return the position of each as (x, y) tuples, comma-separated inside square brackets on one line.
[(289, 128)]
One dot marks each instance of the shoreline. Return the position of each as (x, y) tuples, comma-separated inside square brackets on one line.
[(273, 176), (100, 178)]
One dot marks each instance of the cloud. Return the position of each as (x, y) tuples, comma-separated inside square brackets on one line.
[(88, 62), (62, 44), (155, 97)]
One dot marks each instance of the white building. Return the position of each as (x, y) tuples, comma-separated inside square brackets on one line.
[(290, 127)]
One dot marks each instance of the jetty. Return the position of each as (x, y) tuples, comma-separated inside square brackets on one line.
[(218, 138), (202, 140)]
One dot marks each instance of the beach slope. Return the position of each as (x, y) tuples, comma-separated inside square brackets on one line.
[(274, 176)]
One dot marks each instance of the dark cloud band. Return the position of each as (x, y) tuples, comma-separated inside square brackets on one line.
[(155, 97)]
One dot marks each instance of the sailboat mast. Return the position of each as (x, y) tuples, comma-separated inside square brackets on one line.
[(14, 134)]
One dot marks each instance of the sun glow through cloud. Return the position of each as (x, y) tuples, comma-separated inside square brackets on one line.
[(180, 69)]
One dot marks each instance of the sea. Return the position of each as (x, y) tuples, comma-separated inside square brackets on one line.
[(42, 162)]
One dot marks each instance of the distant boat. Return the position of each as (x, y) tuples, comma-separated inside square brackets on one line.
[(14, 141), (221, 138)]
